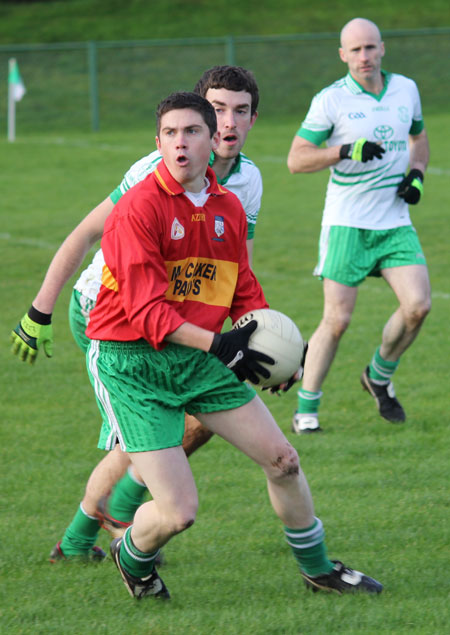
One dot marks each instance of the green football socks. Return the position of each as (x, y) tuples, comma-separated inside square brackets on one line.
[(308, 402), (309, 548), (380, 370), (127, 495), (135, 562), (80, 535)]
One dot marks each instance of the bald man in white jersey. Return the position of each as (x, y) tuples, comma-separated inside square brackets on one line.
[(377, 152)]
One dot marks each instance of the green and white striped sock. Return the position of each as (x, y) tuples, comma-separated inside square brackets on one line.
[(309, 548), (80, 535), (308, 402), (138, 563), (380, 370), (127, 495)]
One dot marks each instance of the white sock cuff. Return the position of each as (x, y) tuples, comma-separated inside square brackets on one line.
[(304, 539), (309, 396), (133, 478), (86, 514)]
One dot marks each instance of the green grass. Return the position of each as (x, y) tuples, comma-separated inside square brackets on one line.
[(131, 80), (80, 20), (380, 489)]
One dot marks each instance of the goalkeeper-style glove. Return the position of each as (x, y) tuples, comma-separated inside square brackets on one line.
[(233, 351), (361, 150), (34, 330), (411, 188), (291, 381)]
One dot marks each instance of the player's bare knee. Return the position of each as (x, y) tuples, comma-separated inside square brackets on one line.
[(285, 463), (182, 522), (417, 314), (337, 325), (424, 309), (182, 518)]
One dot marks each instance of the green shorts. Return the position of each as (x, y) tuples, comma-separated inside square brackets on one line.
[(349, 254), (143, 393), (79, 309)]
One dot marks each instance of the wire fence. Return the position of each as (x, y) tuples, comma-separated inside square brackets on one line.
[(111, 85)]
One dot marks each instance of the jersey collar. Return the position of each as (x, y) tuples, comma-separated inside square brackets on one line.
[(356, 88), (166, 181), (234, 168)]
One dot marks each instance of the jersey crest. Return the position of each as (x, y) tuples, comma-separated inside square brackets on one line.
[(177, 231), (219, 226)]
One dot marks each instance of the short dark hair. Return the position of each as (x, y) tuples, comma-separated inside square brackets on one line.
[(182, 100), (231, 78)]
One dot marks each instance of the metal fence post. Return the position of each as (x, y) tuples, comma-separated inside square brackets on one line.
[(73, 83), (93, 85), (230, 51)]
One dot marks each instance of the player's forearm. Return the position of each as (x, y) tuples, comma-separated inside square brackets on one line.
[(419, 152), (189, 334), (310, 158), (65, 263), (70, 255)]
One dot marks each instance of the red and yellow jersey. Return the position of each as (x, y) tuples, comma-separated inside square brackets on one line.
[(168, 262)]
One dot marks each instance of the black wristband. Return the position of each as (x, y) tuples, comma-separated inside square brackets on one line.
[(344, 151), (40, 318), (415, 173), (215, 344)]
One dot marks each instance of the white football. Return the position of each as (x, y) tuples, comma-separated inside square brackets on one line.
[(279, 337)]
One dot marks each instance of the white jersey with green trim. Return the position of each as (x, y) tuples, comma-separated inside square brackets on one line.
[(359, 194), (244, 180)]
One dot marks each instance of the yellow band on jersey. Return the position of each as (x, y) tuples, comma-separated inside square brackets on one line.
[(204, 280), (108, 279)]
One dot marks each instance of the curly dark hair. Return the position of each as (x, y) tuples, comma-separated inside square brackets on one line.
[(231, 78)]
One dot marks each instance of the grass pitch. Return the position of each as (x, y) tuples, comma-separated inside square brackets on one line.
[(380, 489)]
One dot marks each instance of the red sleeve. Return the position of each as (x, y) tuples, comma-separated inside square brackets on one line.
[(248, 295), (131, 249)]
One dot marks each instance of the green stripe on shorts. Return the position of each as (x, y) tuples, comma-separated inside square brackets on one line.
[(349, 254), (143, 393), (79, 309)]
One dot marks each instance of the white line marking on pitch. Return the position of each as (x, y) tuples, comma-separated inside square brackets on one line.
[(31, 242), (79, 143), (41, 244)]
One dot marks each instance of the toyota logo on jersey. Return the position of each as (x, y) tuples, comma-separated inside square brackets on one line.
[(383, 132)]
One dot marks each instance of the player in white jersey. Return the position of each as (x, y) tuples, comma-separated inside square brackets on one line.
[(372, 124), (234, 94)]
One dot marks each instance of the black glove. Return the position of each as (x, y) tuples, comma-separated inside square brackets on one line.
[(361, 150), (233, 351), (291, 381), (411, 188)]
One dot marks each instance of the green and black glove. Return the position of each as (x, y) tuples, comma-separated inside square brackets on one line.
[(361, 150), (33, 331), (411, 188)]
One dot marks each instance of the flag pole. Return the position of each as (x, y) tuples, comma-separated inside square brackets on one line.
[(16, 90), (11, 103)]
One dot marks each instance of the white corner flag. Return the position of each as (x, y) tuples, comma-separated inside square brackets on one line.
[(16, 90)]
